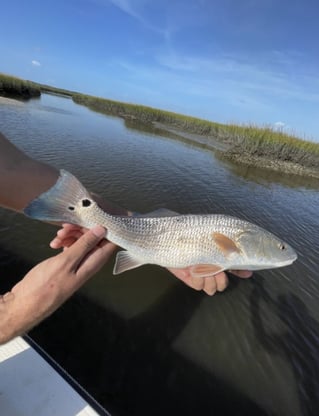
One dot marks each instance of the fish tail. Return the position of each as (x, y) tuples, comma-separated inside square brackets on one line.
[(59, 202)]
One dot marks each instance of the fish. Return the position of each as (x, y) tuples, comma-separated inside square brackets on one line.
[(205, 244)]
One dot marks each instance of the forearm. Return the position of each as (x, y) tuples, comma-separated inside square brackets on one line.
[(14, 320), (22, 178), (51, 282), (29, 302)]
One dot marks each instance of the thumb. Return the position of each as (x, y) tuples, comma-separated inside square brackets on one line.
[(85, 244)]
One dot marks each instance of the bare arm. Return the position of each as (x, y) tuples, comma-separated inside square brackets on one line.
[(51, 282), (21, 177)]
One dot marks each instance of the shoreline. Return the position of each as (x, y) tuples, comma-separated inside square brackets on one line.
[(10, 101), (281, 166), (226, 151)]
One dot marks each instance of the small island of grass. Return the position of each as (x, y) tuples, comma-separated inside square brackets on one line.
[(249, 144)]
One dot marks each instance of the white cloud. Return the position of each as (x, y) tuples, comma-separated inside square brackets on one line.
[(279, 124), (35, 63)]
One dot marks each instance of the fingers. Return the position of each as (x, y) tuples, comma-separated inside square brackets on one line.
[(67, 235), (243, 274), (93, 262), (209, 285), (216, 283), (89, 253), (221, 281), (197, 283), (85, 244)]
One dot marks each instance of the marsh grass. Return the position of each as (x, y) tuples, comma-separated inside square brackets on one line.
[(146, 114), (14, 87), (271, 144)]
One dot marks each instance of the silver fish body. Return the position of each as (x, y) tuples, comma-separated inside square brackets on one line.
[(207, 244)]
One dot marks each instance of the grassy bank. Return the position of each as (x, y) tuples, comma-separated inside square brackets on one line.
[(148, 114), (13, 87), (53, 90), (266, 143)]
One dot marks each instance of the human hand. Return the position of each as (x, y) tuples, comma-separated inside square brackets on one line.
[(210, 285), (68, 234), (51, 282)]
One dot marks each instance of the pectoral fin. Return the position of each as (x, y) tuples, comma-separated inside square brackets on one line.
[(205, 270), (225, 244), (124, 261)]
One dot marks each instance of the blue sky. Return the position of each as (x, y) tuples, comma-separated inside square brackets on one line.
[(242, 61)]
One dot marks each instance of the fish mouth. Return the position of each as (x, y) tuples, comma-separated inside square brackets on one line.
[(274, 265), (287, 262)]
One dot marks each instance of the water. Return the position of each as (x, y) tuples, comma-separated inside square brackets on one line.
[(143, 343)]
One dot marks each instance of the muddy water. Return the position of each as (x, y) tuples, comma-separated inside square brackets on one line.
[(143, 343)]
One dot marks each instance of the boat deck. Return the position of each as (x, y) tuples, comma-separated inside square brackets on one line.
[(30, 386)]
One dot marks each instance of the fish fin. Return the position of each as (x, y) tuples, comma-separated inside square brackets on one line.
[(59, 202), (125, 261), (205, 270), (161, 212), (225, 244)]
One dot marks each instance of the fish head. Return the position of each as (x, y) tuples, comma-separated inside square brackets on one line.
[(263, 250)]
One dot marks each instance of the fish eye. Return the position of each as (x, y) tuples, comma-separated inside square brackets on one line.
[(70, 208), (281, 246), (86, 202)]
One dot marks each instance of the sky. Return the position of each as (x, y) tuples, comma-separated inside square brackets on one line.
[(230, 61)]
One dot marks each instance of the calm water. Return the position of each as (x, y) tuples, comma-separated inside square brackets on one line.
[(143, 343)]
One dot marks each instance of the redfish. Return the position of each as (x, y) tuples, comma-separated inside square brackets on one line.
[(207, 244)]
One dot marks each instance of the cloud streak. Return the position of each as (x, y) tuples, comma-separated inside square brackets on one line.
[(35, 63), (245, 75), (135, 10), (127, 7)]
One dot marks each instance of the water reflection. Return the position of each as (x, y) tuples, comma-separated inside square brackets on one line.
[(266, 176)]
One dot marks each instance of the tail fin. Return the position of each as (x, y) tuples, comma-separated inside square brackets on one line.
[(59, 203)]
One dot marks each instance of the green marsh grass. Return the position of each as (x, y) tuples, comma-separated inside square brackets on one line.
[(18, 88), (268, 143)]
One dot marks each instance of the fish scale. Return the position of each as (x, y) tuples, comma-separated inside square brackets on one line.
[(207, 244)]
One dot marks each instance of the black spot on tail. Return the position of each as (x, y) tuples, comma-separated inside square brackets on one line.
[(86, 202)]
